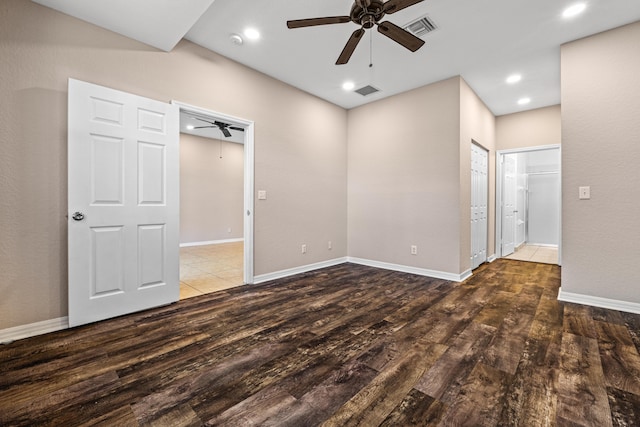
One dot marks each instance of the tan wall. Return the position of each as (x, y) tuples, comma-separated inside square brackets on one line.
[(532, 128), (299, 159), (404, 178), (601, 149), (211, 189), (410, 176), (477, 123)]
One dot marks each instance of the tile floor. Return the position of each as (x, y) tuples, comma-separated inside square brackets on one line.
[(533, 253), (210, 268)]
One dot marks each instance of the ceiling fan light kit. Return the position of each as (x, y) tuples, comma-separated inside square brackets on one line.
[(367, 14)]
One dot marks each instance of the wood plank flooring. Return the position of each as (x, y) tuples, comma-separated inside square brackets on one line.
[(343, 346)]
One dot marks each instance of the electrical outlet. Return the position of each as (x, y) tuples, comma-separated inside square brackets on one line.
[(329, 246), (304, 249), (229, 230), (414, 250)]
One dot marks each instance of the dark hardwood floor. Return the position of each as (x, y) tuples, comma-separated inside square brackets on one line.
[(347, 345)]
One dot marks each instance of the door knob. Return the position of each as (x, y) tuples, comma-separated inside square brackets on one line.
[(78, 216)]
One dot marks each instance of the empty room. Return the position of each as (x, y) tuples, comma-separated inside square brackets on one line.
[(277, 213)]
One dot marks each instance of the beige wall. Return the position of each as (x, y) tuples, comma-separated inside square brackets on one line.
[(601, 149), (404, 178), (211, 189), (299, 159), (409, 176), (477, 123), (532, 128)]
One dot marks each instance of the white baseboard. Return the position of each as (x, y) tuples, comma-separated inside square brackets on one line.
[(31, 330), (413, 270), (210, 242), (492, 258), (612, 304), (297, 270)]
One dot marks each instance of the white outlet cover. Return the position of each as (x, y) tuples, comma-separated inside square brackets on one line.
[(262, 194)]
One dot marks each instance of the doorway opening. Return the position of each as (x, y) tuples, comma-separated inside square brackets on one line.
[(528, 202), (216, 201)]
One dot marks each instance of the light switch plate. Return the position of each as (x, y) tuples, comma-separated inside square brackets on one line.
[(584, 193), (262, 194)]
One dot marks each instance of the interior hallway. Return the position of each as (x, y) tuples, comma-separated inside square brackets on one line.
[(210, 268), (534, 253)]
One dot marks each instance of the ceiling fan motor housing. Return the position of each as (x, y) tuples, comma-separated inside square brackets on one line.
[(367, 13)]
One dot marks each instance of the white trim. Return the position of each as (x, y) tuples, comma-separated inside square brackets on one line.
[(210, 242), (528, 149), (249, 160), (297, 270), (611, 304), (492, 258), (465, 275), (413, 270), (31, 330), (377, 264)]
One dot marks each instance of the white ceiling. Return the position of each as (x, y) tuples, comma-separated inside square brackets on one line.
[(158, 23), (482, 41)]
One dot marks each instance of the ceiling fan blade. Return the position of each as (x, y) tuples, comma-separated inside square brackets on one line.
[(204, 127), (300, 23), (400, 36), (203, 120), (392, 6), (225, 132), (236, 128), (350, 47)]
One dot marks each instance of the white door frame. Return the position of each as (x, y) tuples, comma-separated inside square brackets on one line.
[(499, 178), (248, 126)]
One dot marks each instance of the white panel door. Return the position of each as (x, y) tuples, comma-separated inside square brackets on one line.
[(479, 200), (123, 177), (509, 205)]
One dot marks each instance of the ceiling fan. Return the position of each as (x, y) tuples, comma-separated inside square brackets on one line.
[(224, 127), (366, 14)]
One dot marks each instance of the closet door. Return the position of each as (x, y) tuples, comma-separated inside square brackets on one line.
[(479, 201)]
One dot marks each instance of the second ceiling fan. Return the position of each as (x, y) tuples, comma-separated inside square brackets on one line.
[(224, 127), (366, 14)]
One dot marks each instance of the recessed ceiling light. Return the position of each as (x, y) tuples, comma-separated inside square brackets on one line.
[(190, 127), (524, 101), (573, 10), (236, 39), (514, 78), (252, 34), (348, 85)]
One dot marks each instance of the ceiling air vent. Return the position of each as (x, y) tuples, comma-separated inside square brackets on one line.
[(367, 90), (421, 26)]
